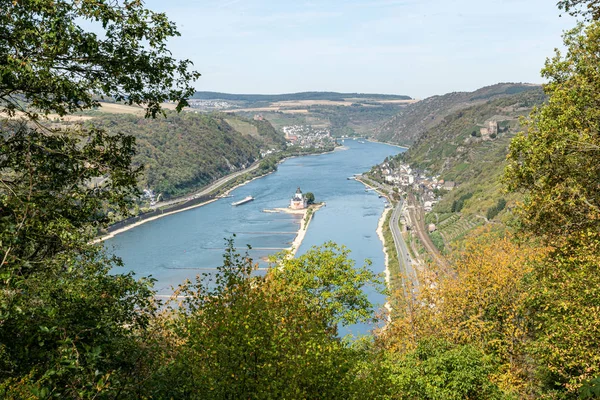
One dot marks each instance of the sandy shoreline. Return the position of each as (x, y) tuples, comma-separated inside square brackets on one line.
[(138, 223), (303, 224), (382, 238), (303, 228), (389, 144), (385, 256)]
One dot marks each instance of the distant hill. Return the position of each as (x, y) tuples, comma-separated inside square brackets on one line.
[(295, 96), (415, 119)]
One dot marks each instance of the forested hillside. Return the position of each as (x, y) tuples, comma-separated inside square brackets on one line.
[(455, 150), (185, 151), (415, 119)]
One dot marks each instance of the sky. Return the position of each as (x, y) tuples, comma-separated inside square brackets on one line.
[(417, 48)]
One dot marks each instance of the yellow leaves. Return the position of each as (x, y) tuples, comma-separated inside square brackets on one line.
[(482, 304)]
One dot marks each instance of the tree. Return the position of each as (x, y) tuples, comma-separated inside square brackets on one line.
[(495, 210), (54, 65), (555, 163), (241, 335), (310, 198), (437, 370), (589, 9), (481, 305), (329, 278), (68, 327)]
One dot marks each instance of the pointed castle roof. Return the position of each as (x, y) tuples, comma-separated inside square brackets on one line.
[(298, 195)]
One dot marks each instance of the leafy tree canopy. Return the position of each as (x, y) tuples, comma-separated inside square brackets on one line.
[(57, 66), (331, 281), (242, 335), (68, 327), (589, 9), (555, 160)]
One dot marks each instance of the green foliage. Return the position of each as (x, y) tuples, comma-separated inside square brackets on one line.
[(555, 159), (589, 9), (310, 197), (554, 162), (72, 329), (183, 152), (438, 240), (437, 370), (458, 204), (248, 336), (268, 163), (590, 389), (68, 327), (563, 302), (328, 276), (47, 204), (56, 66), (495, 210)]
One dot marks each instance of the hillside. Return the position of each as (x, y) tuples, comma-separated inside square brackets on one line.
[(183, 152), (342, 114), (340, 120), (295, 96), (414, 120), (455, 150)]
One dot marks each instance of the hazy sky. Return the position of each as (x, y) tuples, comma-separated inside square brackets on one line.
[(418, 48)]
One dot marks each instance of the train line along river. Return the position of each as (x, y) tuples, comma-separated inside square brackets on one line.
[(192, 242)]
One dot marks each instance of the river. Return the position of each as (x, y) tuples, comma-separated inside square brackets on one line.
[(185, 244)]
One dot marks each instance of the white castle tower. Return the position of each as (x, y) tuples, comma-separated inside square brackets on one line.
[(299, 201)]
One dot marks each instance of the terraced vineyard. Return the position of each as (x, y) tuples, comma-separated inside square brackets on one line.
[(456, 226), (449, 219)]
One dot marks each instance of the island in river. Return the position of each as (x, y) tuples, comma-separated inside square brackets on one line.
[(185, 244)]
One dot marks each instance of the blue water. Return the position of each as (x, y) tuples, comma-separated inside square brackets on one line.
[(182, 245)]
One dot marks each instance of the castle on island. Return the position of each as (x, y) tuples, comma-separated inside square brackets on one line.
[(299, 201)]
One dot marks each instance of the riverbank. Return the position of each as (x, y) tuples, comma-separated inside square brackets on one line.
[(380, 235), (304, 223), (389, 144), (167, 213), (143, 221), (213, 188), (306, 217)]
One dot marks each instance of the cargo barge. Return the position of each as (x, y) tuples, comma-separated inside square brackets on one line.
[(243, 201)]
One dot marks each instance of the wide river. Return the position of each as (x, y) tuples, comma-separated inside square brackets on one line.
[(185, 244)]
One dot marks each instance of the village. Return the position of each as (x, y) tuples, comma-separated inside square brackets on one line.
[(307, 136), (211, 105), (403, 177)]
